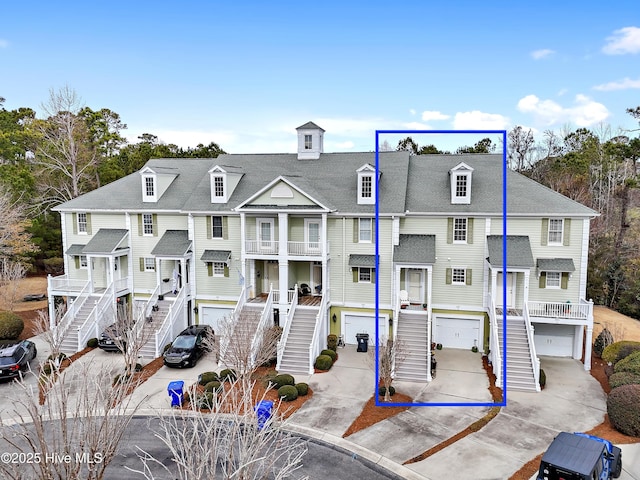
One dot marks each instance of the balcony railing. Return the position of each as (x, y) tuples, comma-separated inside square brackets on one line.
[(577, 311), (65, 284), (271, 247)]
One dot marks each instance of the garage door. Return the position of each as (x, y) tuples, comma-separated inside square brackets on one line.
[(211, 316), (554, 340), (457, 332), (355, 324)]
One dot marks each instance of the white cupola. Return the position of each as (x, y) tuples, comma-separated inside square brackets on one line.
[(310, 141)]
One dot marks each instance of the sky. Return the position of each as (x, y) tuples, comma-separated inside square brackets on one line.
[(245, 74)]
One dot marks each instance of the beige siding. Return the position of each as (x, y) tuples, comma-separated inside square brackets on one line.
[(266, 198)]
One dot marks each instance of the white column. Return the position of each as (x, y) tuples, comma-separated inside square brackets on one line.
[(587, 349), (494, 283), (527, 275), (283, 262), (90, 261)]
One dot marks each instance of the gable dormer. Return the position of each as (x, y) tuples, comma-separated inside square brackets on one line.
[(366, 185), (219, 185), (310, 141), (154, 183), (460, 178)]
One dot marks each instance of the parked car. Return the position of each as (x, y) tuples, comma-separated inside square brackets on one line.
[(15, 359), (110, 339), (191, 344), (578, 456)]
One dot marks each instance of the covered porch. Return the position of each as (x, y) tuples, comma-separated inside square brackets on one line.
[(172, 255)]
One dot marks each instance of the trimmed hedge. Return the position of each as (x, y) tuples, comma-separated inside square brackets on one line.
[(610, 353), (228, 375), (623, 378), (288, 393), (206, 400), (166, 347), (629, 364), (332, 342), (283, 379), (11, 325), (382, 391), (331, 353), (302, 389), (627, 350), (92, 343), (623, 407), (323, 362), (207, 377), (213, 386), (603, 340)]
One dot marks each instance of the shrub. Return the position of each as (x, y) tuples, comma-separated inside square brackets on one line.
[(11, 325), (623, 378), (166, 347), (207, 377), (608, 370), (61, 357), (474, 349), (603, 340), (323, 362), (629, 364), (228, 375), (302, 389), (205, 400), (283, 379), (625, 351), (288, 393), (121, 378), (92, 343), (382, 391), (439, 346), (332, 342), (138, 367), (331, 353), (623, 407), (214, 386), (46, 369), (543, 379), (610, 353)]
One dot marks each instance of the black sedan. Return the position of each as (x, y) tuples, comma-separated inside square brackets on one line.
[(15, 358), (189, 346), (111, 339)]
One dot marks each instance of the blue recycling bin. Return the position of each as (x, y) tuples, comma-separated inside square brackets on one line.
[(175, 390), (263, 411)]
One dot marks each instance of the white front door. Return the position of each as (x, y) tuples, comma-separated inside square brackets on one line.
[(415, 284), (265, 228), (271, 276), (510, 287), (316, 277), (312, 235)]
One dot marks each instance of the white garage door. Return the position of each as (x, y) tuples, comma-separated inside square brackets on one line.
[(554, 340), (457, 332), (211, 316), (355, 324)]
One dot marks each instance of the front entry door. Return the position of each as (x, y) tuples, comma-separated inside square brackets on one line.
[(272, 274), (415, 283), (510, 287)]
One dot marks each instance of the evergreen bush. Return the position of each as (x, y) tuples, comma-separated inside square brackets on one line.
[(288, 393), (302, 389), (610, 353), (603, 340), (11, 325), (323, 362), (629, 364), (228, 375), (332, 342), (92, 343), (626, 350), (283, 379), (623, 378), (207, 377), (213, 386), (542, 380), (623, 407), (382, 391), (331, 353)]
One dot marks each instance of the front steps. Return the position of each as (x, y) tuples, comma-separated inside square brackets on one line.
[(69, 344), (519, 369), (412, 332), (295, 359)]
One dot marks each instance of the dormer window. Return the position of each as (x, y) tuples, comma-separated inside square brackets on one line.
[(218, 186), (308, 142), (219, 193), (460, 177), (366, 185), (149, 188)]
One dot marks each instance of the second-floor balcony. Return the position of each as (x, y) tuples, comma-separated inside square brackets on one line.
[(272, 247)]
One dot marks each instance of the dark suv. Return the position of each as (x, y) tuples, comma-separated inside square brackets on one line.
[(111, 339), (189, 346), (15, 358)]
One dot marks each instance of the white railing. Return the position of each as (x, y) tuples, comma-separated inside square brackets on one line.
[(495, 347), (263, 326), (287, 325), (101, 315), (261, 247), (319, 334), (568, 310), (65, 284), (72, 309), (306, 248), (121, 284), (276, 295), (535, 361), (170, 327), (153, 299)]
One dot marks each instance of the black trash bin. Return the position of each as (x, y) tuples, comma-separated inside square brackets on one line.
[(363, 341)]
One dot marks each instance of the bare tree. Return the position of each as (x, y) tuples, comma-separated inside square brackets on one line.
[(130, 332), (11, 275), (520, 147), (15, 241), (53, 337), (75, 433), (391, 354), (229, 442)]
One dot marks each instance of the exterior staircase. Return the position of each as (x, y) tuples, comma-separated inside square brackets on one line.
[(148, 330), (295, 359), (243, 331), (412, 332), (69, 344), (519, 369)]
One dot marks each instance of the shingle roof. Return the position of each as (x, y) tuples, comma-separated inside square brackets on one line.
[(362, 261), (309, 125), (75, 250), (215, 255), (174, 243), (415, 249), (105, 241), (555, 265), (518, 251)]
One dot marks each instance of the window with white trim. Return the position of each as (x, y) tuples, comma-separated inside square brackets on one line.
[(364, 275), (367, 186), (216, 227), (458, 276), (218, 269), (149, 264), (555, 231), (308, 142), (150, 186), (460, 230), (147, 224), (365, 230), (84, 263), (218, 186), (553, 279), (82, 223), (461, 186)]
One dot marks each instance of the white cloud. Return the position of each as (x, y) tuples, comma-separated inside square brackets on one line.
[(433, 115), (624, 84), (477, 120), (3, 43), (625, 40), (416, 126), (542, 53), (412, 111), (584, 113), (562, 92)]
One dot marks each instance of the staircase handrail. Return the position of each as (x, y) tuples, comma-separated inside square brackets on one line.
[(167, 331), (153, 299), (495, 348), (315, 347), (67, 319), (96, 321), (287, 325), (262, 327), (225, 338), (535, 361)]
